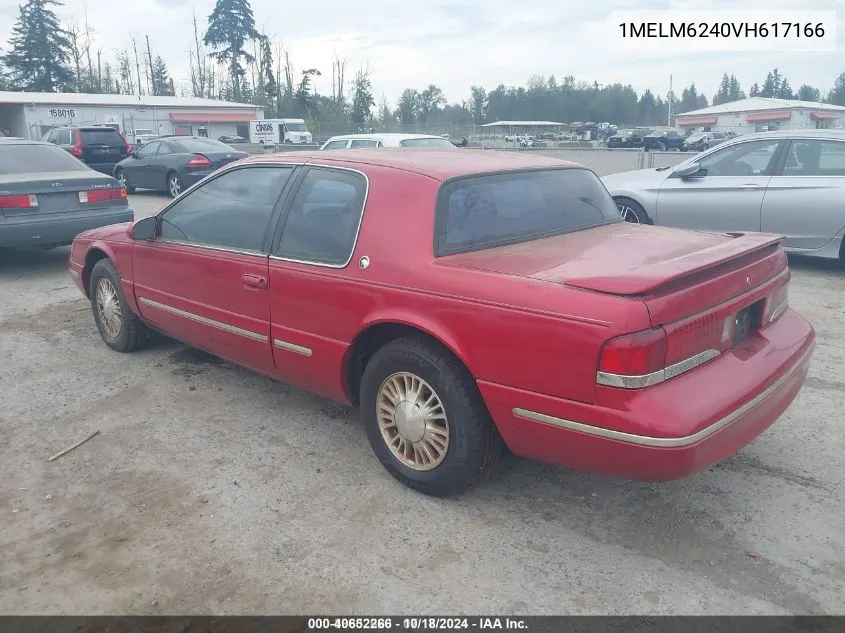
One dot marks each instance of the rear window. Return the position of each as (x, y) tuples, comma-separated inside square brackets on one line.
[(27, 159), (201, 145), (425, 142), (106, 136), (498, 209)]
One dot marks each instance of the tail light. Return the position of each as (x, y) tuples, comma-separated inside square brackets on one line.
[(776, 304), (24, 201), (633, 360), (128, 146), (76, 148), (198, 161), (101, 195)]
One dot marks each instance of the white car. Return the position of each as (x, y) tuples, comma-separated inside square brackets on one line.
[(142, 136), (357, 141)]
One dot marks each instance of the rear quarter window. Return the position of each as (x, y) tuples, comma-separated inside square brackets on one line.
[(28, 159), (485, 211)]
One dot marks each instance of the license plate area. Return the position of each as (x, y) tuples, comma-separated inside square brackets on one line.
[(739, 326)]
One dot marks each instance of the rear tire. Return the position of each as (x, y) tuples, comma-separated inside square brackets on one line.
[(119, 327), (174, 184), (425, 418), (123, 179), (632, 211)]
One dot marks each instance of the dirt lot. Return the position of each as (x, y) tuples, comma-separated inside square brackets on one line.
[(210, 489)]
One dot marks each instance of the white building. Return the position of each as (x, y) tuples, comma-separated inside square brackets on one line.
[(759, 114), (32, 114)]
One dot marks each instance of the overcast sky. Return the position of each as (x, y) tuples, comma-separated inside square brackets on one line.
[(457, 43)]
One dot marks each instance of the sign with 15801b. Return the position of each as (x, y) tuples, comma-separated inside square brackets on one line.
[(63, 113)]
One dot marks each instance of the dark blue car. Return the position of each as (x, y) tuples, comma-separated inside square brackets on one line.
[(174, 163)]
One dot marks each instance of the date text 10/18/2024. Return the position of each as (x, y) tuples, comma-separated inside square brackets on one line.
[(417, 623)]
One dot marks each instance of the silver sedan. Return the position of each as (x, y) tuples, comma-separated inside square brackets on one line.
[(788, 182)]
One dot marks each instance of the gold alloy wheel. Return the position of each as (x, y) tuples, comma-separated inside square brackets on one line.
[(412, 421), (108, 308)]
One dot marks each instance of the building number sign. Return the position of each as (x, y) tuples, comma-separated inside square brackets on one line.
[(63, 113)]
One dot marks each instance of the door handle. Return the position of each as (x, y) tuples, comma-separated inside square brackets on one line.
[(254, 281), (750, 185)]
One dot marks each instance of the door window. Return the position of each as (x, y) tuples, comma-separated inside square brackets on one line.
[(63, 137), (164, 148), (363, 143), (336, 145), (752, 158), (148, 150), (323, 222), (230, 211), (815, 158)]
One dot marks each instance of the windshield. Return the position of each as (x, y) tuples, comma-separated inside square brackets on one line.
[(425, 142), (695, 137), (201, 145), (296, 127), (27, 159), (493, 210), (625, 132)]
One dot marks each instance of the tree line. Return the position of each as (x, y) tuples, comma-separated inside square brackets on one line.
[(230, 59)]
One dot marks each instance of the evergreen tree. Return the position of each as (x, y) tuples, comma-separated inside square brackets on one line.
[(837, 95), (267, 77), (724, 93), (162, 84), (40, 50), (755, 90), (735, 92), (230, 26)]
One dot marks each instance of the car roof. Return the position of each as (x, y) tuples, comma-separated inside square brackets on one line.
[(440, 164), (381, 136)]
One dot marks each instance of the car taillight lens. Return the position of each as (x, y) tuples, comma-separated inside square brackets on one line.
[(76, 150), (776, 304), (629, 360), (25, 201), (198, 161), (101, 195)]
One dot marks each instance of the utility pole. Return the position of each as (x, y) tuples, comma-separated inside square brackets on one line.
[(137, 67), (671, 99), (151, 86)]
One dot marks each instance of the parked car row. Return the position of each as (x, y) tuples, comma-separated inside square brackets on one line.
[(665, 139)]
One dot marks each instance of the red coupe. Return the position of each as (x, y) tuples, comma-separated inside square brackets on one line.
[(464, 300)]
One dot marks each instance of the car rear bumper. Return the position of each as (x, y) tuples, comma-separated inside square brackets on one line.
[(57, 228), (671, 430)]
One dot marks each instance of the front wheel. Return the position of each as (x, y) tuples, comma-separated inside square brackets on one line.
[(425, 418), (174, 185), (119, 327), (631, 211)]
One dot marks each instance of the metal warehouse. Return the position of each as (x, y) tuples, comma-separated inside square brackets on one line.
[(760, 114), (33, 114)]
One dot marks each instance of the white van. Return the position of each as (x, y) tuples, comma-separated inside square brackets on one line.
[(272, 132)]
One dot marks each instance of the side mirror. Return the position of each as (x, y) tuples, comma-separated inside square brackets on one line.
[(145, 229), (687, 171)]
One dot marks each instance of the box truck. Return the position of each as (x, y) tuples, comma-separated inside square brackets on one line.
[(277, 131)]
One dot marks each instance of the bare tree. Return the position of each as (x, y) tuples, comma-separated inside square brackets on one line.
[(77, 53), (124, 73), (88, 31), (338, 79), (202, 82)]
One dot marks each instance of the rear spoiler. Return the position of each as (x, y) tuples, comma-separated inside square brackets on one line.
[(659, 275)]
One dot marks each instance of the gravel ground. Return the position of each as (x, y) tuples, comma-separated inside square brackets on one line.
[(211, 489)]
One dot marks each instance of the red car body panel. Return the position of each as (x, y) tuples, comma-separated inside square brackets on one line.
[(527, 320)]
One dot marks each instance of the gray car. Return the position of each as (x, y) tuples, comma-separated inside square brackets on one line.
[(48, 197), (788, 182)]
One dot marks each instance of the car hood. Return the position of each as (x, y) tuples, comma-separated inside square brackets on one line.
[(111, 233), (637, 176)]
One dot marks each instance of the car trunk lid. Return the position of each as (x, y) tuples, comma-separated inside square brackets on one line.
[(57, 192), (699, 270)]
